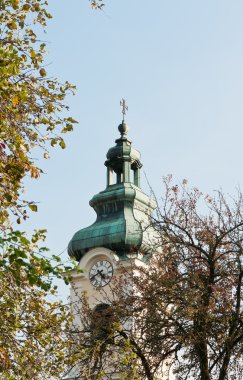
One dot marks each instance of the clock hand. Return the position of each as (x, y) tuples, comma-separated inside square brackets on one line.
[(98, 272), (93, 276), (102, 275)]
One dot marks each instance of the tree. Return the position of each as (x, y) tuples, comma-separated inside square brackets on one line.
[(185, 307), (33, 342), (31, 120), (31, 102)]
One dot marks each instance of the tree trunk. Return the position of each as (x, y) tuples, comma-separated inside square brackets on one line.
[(224, 368), (202, 354)]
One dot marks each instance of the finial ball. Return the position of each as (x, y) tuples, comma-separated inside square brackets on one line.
[(123, 128)]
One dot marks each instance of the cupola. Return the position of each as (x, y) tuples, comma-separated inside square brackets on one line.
[(122, 159), (122, 209)]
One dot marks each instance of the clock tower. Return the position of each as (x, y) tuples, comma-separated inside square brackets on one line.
[(121, 232)]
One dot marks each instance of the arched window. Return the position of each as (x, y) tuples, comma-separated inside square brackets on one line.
[(102, 319)]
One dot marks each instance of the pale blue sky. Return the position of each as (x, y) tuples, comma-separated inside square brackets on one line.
[(179, 65)]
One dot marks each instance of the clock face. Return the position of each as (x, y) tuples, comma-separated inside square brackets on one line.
[(101, 273)]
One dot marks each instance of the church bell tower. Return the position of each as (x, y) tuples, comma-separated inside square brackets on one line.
[(123, 212), (121, 233)]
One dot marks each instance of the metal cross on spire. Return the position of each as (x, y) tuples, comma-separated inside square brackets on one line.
[(124, 108)]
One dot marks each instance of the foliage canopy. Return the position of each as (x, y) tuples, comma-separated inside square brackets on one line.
[(32, 105), (180, 315), (30, 102)]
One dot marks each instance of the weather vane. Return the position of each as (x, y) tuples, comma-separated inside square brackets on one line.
[(124, 108)]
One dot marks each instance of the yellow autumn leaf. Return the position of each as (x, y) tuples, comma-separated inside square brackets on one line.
[(34, 172), (15, 100)]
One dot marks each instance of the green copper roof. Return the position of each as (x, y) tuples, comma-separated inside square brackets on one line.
[(116, 226)]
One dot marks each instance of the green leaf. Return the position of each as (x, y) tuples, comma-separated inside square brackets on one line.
[(42, 72), (62, 144), (67, 128), (53, 142), (8, 197), (12, 25), (33, 207), (72, 120)]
